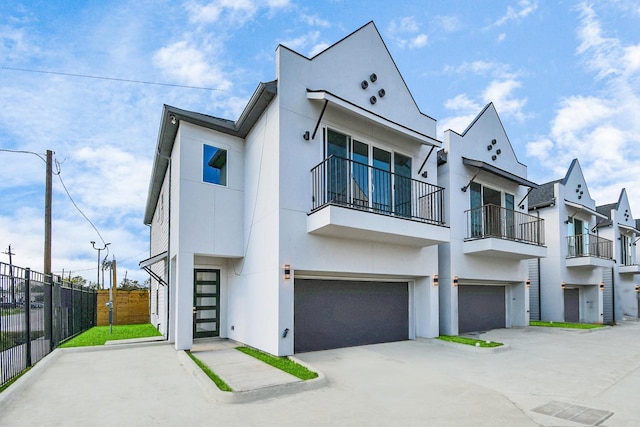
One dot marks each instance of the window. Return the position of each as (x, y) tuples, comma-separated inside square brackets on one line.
[(491, 214), (214, 165), (367, 176), (626, 257), (578, 232)]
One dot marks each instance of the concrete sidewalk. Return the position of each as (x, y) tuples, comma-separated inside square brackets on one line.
[(547, 377)]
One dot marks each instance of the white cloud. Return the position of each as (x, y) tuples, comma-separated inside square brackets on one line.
[(524, 9), (190, 65), (315, 21), (233, 11), (540, 149), (500, 92), (448, 24), (406, 33)]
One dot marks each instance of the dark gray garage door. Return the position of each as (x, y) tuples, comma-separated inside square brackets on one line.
[(480, 308), (336, 313), (572, 305)]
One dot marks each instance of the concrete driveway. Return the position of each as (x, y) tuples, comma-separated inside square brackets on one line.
[(544, 378)]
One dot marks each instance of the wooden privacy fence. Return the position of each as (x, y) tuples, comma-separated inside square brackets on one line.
[(129, 307)]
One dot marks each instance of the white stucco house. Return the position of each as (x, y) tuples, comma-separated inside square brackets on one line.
[(483, 269), (623, 279), (310, 222), (568, 284)]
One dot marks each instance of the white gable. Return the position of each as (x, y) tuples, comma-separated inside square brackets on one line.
[(486, 140), (575, 186), (623, 211), (359, 70)]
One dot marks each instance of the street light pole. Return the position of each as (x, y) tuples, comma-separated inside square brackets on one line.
[(99, 249)]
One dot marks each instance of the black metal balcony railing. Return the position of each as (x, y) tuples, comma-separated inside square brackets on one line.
[(593, 245), (344, 182), (495, 221)]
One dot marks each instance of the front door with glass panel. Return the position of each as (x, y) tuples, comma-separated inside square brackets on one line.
[(206, 300)]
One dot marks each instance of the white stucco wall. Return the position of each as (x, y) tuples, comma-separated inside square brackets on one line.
[(479, 269)]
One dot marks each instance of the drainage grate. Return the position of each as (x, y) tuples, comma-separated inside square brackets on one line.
[(575, 413)]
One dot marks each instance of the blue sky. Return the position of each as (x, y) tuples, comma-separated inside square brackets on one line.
[(564, 77)]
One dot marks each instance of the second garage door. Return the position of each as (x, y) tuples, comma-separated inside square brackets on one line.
[(337, 313), (480, 308)]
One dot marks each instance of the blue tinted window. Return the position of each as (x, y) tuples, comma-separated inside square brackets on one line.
[(214, 165)]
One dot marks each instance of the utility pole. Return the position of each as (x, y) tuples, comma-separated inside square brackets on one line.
[(47, 215), (13, 282)]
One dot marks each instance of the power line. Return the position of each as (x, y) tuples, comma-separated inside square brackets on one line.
[(59, 173), (115, 79), (24, 152)]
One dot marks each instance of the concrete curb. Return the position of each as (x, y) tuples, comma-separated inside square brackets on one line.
[(213, 392), (466, 347)]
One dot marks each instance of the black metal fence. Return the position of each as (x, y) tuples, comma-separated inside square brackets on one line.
[(36, 314), (496, 221), (344, 182), (584, 245)]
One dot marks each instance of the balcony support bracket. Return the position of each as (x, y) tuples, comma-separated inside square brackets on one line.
[(464, 189), (315, 130)]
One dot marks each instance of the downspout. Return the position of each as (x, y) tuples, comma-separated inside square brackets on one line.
[(613, 293), (539, 280)]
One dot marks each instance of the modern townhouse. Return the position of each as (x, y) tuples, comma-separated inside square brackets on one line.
[(568, 284), (483, 269), (621, 281), (312, 221)]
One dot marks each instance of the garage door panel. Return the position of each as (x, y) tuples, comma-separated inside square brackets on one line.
[(481, 308), (333, 314)]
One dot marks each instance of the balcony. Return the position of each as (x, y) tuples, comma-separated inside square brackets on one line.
[(495, 231), (629, 269), (356, 201), (589, 250)]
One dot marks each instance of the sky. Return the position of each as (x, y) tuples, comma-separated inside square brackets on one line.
[(88, 79)]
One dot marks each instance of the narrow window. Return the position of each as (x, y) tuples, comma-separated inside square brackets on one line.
[(214, 167)]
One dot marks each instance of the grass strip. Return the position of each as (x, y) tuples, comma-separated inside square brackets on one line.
[(469, 341), (98, 335), (216, 379), (565, 325), (13, 380), (283, 363)]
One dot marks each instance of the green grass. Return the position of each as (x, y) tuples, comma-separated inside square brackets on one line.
[(12, 339), (565, 325), (283, 363), (216, 379), (469, 341), (98, 335)]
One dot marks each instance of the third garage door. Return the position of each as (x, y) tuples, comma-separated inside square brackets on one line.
[(480, 308), (339, 313)]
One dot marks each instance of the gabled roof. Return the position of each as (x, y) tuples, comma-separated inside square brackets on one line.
[(606, 211), (172, 116), (542, 196)]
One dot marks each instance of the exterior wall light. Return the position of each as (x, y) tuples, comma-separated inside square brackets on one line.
[(637, 289), (528, 283), (287, 271), (602, 286), (455, 281), (563, 285), (435, 280)]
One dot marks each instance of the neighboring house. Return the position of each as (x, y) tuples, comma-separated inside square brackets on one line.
[(568, 285), (483, 270), (621, 280), (312, 221)]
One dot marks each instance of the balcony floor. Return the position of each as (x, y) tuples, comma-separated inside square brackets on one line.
[(503, 248), (341, 222), (589, 262)]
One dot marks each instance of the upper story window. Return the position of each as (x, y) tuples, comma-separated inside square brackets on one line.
[(626, 246), (380, 179), (578, 237), (214, 165), (491, 212)]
